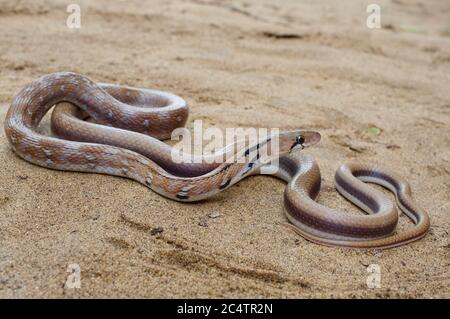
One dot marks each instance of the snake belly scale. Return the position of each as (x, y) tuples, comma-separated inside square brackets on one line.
[(124, 137)]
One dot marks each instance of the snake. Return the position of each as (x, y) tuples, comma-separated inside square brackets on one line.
[(119, 130)]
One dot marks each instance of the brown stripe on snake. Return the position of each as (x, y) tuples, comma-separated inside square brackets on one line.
[(330, 227), (370, 202), (325, 225), (397, 186), (122, 138), (322, 222)]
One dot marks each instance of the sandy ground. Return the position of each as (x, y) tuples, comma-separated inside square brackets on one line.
[(238, 64)]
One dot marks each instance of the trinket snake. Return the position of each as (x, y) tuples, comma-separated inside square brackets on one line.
[(123, 139)]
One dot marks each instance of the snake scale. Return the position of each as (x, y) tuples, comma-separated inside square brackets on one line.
[(123, 138)]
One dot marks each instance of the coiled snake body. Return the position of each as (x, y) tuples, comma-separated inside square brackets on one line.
[(124, 140)]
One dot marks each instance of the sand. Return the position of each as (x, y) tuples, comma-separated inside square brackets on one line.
[(376, 95)]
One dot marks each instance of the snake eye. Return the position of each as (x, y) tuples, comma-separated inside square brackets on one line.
[(300, 139)]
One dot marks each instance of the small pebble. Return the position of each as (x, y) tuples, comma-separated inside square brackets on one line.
[(156, 231), (214, 215)]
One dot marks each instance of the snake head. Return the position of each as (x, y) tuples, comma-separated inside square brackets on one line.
[(304, 139), (291, 141), (281, 143)]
